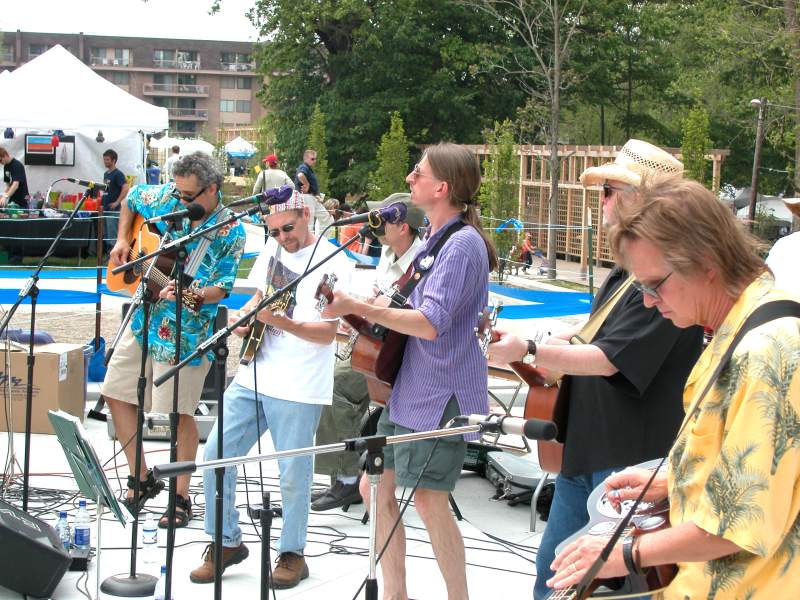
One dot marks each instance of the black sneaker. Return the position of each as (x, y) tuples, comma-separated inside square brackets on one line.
[(339, 494)]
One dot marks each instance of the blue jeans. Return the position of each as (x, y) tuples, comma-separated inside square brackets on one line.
[(568, 514), (292, 425)]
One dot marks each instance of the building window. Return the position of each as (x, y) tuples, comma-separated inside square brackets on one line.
[(120, 78), (35, 50), (243, 106), (236, 61), (186, 127), (164, 58), (227, 106), (7, 53), (236, 83), (122, 57)]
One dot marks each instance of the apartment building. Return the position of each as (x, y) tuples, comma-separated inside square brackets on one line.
[(206, 86)]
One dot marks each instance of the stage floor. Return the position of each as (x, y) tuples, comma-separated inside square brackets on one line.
[(500, 550)]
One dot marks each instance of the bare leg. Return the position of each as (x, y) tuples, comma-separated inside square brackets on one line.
[(448, 545), (124, 416), (393, 563)]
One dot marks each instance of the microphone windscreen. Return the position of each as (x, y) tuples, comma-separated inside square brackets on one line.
[(196, 212), (536, 429)]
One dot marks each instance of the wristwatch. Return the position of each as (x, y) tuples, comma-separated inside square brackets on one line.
[(531, 354)]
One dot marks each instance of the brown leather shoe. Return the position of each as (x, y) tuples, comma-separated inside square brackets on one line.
[(290, 569), (230, 556)]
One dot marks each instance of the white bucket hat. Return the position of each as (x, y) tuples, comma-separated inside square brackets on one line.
[(635, 159), (793, 204)]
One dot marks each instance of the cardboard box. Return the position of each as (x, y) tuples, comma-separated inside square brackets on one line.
[(58, 383)]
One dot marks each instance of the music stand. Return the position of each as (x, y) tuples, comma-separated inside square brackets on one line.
[(91, 480)]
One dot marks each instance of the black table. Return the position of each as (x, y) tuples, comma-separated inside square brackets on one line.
[(36, 234)]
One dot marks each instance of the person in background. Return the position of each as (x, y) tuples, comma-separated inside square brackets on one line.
[(16, 191), (527, 252), (305, 180), (153, 173), (782, 256), (348, 231), (116, 191), (169, 165), (271, 176)]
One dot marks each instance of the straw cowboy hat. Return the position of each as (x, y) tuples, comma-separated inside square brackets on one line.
[(635, 159), (793, 204)]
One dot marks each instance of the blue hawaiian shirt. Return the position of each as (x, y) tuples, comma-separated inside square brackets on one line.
[(218, 268)]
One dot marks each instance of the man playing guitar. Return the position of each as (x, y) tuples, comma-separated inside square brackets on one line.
[(443, 372), (623, 390), (197, 181), (342, 419)]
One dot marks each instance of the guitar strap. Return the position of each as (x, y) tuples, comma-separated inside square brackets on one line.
[(763, 314), (430, 259), (598, 317)]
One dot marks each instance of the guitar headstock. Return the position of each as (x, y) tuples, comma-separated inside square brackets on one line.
[(324, 293), (484, 331)]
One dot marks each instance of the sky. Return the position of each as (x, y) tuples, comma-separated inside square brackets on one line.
[(182, 19)]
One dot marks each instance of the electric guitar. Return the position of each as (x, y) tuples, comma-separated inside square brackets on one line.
[(375, 351), (542, 391), (143, 239), (603, 521)]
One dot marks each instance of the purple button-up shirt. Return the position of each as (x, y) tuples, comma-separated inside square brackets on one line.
[(451, 296)]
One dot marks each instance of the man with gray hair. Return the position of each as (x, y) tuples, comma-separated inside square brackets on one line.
[(197, 181)]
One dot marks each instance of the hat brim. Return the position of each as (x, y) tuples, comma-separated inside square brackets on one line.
[(609, 171), (793, 204)]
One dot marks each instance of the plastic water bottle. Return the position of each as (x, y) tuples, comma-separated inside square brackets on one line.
[(62, 528), (83, 532), (150, 540), (161, 586)]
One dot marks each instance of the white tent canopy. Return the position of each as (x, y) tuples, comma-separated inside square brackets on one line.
[(186, 145), (771, 206), (240, 147), (57, 91)]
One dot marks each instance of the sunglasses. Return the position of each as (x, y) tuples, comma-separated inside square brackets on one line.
[(288, 228), (416, 173), (651, 291), (179, 195), (610, 189)]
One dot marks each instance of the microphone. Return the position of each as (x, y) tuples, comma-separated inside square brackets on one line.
[(270, 197), (194, 212), (533, 429), (89, 184), (394, 213)]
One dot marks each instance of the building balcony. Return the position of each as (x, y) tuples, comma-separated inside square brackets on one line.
[(101, 61), (176, 89), (188, 114), (237, 66), (182, 65), (7, 58)]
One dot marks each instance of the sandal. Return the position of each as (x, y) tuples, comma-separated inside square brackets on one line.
[(183, 512), (149, 488)]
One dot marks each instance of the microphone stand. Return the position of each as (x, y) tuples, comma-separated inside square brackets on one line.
[(137, 584), (30, 289), (374, 446)]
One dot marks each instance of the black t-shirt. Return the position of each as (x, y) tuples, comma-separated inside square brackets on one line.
[(633, 415), (115, 180), (15, 171)]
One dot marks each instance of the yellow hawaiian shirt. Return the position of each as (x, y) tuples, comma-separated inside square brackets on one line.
[(735, 469)]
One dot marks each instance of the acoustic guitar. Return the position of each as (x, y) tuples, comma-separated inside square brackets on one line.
[(542, 391), (603, 521), (252, 342), (376, 352), (143, 239)]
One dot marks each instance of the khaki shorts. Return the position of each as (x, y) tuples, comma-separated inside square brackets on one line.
[(123, 374)]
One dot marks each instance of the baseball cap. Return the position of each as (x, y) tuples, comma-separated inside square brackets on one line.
[(272, 158), (415, 216)]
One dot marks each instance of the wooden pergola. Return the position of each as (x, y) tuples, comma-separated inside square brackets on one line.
[(576, 205)]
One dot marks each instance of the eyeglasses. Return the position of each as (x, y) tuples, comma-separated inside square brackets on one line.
[(179, 195), (610, 189), (288, 228), (651, 291), (416, 173)]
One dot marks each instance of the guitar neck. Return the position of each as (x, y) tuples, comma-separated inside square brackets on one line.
[(360, 324)]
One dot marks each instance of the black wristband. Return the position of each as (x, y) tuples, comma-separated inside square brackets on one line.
[(627, 557), (531, 347)]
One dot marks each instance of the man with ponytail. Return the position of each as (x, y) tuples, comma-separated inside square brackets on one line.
[(443, 373)]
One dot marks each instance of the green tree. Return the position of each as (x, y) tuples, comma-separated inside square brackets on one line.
[(392, 159), (316, 141), (364, 59), (499, 194), (695, 144)]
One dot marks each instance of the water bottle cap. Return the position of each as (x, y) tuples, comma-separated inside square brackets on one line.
[(163, 569), (82, 503), (62, 514)]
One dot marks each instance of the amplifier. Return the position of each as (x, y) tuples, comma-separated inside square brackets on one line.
[(32, 559)]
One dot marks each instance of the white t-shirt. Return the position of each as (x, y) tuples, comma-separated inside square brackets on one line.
[(290, 368), (782, 260)]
